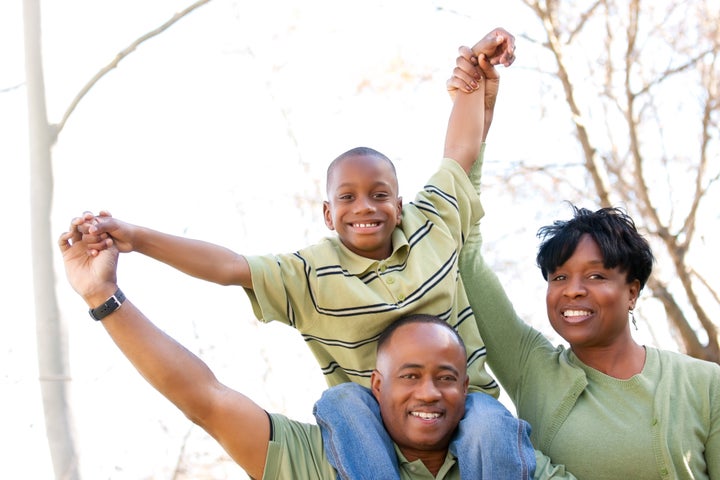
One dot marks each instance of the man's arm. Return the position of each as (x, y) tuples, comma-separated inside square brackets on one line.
[(197, 258), (240, 426), (474, 88)]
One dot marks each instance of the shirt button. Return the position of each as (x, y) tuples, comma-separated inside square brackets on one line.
[(390, 281)]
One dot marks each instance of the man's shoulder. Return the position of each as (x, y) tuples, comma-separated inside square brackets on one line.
[(295, 450)]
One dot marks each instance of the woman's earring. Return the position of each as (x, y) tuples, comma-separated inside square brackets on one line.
[(632, 319)]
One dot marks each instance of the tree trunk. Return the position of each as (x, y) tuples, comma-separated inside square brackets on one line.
[(51, 336)]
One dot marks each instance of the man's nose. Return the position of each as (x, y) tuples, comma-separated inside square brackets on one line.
[(428, 391)]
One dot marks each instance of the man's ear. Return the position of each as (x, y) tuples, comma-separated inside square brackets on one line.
[(375, 381), (467, 384), (327, 215)]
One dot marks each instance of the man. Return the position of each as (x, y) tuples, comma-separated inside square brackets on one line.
[(420, 383)]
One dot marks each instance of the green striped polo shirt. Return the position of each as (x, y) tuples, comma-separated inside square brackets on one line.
[(340, 302)]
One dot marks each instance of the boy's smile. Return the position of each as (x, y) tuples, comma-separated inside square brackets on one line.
[(363, 205)]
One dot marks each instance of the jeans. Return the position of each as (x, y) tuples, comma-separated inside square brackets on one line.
[(490, 442)]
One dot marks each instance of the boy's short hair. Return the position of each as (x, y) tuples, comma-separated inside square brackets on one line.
[(358, 151)]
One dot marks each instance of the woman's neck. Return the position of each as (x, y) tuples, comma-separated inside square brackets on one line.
[(617, 361)]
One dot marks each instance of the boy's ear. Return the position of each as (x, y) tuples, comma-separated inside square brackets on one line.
[(327, 215), (399, 211)]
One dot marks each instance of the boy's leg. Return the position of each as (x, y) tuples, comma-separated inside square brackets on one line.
[(491, 442), (353, 433)]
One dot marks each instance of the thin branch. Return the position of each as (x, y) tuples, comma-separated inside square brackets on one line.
[(120, 56), (587, 15), (10, 89), (667, 74)]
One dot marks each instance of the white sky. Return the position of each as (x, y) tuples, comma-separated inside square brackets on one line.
[(190, 136)]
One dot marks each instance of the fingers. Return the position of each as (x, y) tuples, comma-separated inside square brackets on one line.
[(467, 53), (465, 74), (85, 229), (64, 240), (498, 46), (508, 56), (487, 68)]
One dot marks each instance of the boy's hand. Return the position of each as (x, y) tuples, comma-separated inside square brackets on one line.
[(498, 46)]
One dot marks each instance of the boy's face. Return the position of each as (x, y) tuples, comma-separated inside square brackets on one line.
[(363, 205)]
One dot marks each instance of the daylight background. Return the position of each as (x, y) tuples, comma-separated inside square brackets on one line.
[(221, 129)]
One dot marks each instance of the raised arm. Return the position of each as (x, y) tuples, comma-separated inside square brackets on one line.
[(179, 375), (197, 258), (474, 89)]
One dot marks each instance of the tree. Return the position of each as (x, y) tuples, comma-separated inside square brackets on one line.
[(51, 337), (640, 83)]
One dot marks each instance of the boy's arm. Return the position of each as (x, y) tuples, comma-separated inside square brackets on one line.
[(179, 375), (474, 88), (197, 258)]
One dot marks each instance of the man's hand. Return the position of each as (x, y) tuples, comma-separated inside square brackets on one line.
[(93, 277)]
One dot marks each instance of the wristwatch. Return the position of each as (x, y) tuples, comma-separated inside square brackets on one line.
[(110, 305)]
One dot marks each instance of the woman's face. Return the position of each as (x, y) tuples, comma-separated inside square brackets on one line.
[(588, 304)]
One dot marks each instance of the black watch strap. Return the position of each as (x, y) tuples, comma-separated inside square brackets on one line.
[(110, 305)]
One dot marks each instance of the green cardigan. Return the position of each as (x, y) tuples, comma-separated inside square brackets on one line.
[(677, 397)]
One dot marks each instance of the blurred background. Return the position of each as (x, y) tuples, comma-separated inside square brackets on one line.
[(220, 125)]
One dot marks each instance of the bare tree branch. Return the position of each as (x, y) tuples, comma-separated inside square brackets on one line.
[(120, 56)]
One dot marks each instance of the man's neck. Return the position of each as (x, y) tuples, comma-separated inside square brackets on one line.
[(433, 461)]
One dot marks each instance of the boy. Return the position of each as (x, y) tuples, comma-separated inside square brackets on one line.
[(385, 262)]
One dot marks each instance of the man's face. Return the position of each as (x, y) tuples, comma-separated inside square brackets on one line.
[(363, 205), (420, 383)]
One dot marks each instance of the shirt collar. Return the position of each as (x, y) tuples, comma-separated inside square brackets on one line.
[(358, 265)]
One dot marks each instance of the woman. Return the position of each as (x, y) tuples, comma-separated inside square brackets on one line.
[(607, 407)]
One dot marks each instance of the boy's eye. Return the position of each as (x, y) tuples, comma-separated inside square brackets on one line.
[(381, 195), (558, 277)]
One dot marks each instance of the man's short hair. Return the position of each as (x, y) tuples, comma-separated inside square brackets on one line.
[(386, 335)]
